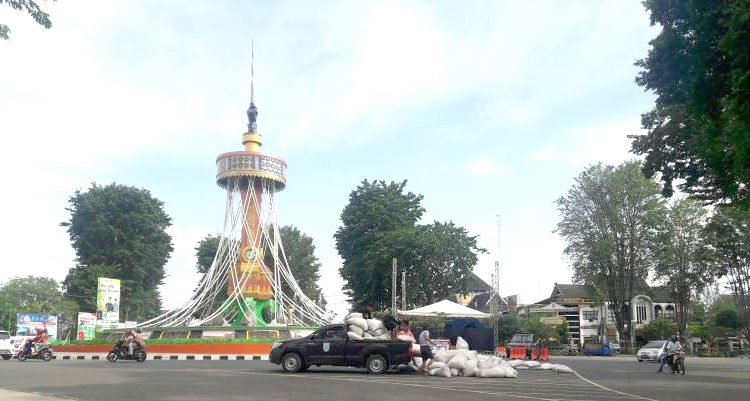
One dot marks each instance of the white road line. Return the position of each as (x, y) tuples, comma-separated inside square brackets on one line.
[(609, 389), (418, 385)]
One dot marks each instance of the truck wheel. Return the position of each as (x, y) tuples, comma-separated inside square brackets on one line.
[(291, 363), (376, 364), (6, 357)]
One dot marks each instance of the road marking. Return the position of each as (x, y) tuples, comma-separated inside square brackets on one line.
[(441, 387), (609, 389)]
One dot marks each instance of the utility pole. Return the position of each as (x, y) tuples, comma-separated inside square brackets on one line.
[(403, 289), (393, 286)]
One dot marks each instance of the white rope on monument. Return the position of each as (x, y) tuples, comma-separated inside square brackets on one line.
[(294, 308)]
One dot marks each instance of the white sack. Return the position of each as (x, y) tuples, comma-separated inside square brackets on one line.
[(457, 362), (358, 321), (417, 361), (510, 372), (461, 343), (455, 372), (436, 364), (533, 364), (378, 332), (443, 356), (516, 362), (356, 329), (545, 366), (482, 357), (374, 324), (486, 364), (492, 372), (353, 314), (383, 337), (562, 369), (470, 368), (354, 336), (471, 355), (416, 349), (405, 337), (366, 335)]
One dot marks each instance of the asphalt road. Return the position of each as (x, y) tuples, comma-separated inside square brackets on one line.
[(618, 379)]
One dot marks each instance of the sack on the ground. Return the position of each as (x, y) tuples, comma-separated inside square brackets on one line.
[(417, 361), (471, 355), (457, 362), (487, 363), (516, 363), (545, 366), (359, 322), (455, 372), (416, 349), (374, 324), (437, 364), (353, 314), (461, 343), (443, 356), (354, 336), (493, 372), (533, 364), (444, 372), (562, 369), (406, 337), (470, 368), (356, 329), (510, 372)]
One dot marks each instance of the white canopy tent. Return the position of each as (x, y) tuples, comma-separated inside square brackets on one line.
[(445, 308)]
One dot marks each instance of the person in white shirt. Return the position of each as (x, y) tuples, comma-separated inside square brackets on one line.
[(426, 351)]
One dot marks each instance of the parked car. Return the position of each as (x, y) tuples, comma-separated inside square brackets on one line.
[(330, 345), (652, 351), (6, 348)]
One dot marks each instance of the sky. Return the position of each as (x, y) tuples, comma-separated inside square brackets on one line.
[(487, 108)]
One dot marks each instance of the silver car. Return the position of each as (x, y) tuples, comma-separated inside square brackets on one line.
[(652, 351)]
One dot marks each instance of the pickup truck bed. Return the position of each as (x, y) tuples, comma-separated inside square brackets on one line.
[(330, 345)]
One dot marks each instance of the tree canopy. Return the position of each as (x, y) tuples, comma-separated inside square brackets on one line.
[(32, 8), (118, 232), (380, 223), (608, 219), (35, 295), (698, 68)]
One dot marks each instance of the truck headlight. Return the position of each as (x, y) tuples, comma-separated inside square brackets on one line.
[(275, 345)]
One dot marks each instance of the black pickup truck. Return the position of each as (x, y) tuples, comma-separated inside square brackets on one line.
[(330, 345)]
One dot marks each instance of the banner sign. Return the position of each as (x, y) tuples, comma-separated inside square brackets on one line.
[(86, 326), (27, 323), (108, 301)]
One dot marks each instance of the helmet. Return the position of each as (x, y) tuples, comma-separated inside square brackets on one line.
[(674, 339)]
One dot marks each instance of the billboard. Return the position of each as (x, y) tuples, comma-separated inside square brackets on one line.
[(86, 326), (108, 301), (27, 323)]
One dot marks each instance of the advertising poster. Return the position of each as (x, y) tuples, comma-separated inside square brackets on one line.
[(86, 326), (27, 323), (108, 301)]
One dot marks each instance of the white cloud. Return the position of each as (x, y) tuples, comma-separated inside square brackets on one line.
[(486, 166)]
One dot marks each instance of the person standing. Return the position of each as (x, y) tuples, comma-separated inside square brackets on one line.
[(425, 344)]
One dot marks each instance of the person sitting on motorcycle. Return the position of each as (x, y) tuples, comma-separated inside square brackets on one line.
[(133, 340), (40, 338), (671, 353)]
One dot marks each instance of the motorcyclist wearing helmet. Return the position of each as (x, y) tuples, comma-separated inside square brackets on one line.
[(133, 339), (672, 352), (40, 338)]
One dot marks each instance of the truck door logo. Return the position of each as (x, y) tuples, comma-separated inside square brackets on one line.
[(326, 347)]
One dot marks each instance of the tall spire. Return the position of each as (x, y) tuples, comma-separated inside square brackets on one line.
[(252, 111)]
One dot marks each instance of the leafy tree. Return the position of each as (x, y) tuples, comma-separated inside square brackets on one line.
[(32, 8), (508, 325), (728, 319), (728, 233), (659, 329), (205, 252), (36, 295), (119, 232), (379, 224), (608, 219), (698, 129), (682, 257)]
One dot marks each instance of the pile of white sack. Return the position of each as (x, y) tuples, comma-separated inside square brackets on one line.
[(360, 328), (464, 362)]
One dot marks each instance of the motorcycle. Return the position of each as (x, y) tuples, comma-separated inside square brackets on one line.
[(36, 351), (569, 350), (676, 364), (120, 351)]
